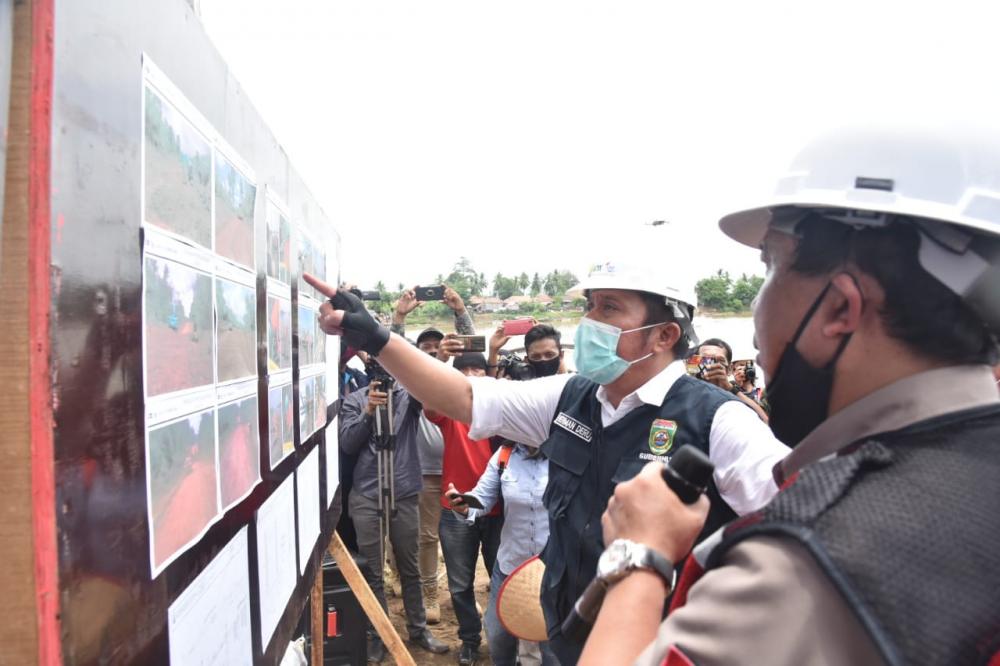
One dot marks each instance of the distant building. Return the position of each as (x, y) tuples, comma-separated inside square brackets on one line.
[(481, 304), (513, 304)]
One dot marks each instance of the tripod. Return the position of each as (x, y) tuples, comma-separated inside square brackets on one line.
[(385, 447)]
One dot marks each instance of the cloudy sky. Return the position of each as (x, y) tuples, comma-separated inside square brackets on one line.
[(536, 135)]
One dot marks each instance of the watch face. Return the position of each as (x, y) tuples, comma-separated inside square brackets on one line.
[(614, 559)]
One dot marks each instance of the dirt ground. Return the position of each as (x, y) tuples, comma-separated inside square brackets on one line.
[(447, 629)]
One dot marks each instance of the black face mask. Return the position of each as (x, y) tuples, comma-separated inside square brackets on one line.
[(799, 394), (545, 368)]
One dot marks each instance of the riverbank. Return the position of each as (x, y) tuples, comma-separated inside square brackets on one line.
[(490, 320)]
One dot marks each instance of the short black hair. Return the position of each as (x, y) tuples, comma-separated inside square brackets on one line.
[(919, 311), (658, 312), (540, 332), (718, 342)]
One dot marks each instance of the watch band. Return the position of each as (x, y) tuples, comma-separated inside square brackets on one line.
[(656, 562)]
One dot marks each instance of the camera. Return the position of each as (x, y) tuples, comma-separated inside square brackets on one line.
[(514, 367), (370, 295), (376, 373), (750, 372)]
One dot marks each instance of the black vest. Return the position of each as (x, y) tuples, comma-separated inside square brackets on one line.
[(906, 525), (587, 461)]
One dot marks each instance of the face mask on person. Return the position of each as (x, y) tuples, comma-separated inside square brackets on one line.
[(799, 394), (545, 368), (596, 351)]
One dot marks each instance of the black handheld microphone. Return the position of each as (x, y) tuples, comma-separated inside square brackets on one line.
[(687, 474)]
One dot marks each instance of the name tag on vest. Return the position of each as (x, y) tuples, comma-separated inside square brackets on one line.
[(571, 425)]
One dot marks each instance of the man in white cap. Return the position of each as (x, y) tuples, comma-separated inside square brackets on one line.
[(631, 402), (877, 324)]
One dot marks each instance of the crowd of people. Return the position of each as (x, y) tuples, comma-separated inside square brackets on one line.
[(849, 511)]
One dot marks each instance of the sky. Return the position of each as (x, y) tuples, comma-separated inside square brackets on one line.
[(531, 136)]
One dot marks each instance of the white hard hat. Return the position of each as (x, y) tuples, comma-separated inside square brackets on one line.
[(944, 181), (635, 274)]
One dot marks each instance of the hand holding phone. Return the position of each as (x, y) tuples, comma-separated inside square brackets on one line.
[(472, 343), (461, 502), (518, 326), (430, 293)]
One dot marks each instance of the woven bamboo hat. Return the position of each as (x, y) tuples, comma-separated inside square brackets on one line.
[(518, 604)]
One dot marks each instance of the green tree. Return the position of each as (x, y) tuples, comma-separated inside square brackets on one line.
[(558, 282), (714, 292), (523, 282), (745, 289), (536, 285), (504, 287), (720, 292)]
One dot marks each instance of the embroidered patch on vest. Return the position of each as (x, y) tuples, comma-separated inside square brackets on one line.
[(571, 425), (661, 436)]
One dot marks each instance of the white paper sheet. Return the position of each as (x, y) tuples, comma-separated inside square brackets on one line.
[(332, 462), (308, 491), (209, 623), (276, 556)]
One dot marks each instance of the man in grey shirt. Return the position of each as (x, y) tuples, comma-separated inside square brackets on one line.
[(430, 444), (357, 417)]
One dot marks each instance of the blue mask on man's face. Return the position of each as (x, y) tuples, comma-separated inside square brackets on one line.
[(596, 351)]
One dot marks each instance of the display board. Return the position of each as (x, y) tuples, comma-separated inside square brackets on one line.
[(189, 373)]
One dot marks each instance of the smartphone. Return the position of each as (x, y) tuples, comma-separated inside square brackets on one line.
[(430, 293), (470, 500), (518, 326), (694, 365), (472, 343), (370, 295)]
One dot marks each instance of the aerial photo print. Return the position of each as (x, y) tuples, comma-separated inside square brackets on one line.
[(234, 206), (177, 327), (181, 473), (178, 172)]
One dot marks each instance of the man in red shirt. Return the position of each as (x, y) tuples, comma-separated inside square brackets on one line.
[(464, 462)]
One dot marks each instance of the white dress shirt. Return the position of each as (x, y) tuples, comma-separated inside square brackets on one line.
[(742, 447)]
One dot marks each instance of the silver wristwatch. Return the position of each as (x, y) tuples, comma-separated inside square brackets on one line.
[(623, 556)]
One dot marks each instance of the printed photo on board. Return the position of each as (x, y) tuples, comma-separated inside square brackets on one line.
[(307, 408), (178, 172), (182, 483), (236, 308), (279, 242), (275, 425), (307, 336), (234, 204), (288, 431), (279, 333), (177, 326), (239, 449)]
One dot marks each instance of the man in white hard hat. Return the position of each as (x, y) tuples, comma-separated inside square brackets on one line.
[(877, 324), (631, 402)]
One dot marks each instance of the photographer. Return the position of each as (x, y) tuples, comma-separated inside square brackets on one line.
[(357, 436), (630, 402), (882, 546), (745, 377), (542, 348), (716, 357), (430, 444)]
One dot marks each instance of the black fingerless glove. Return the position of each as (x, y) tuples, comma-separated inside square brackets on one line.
[(361, 331)]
